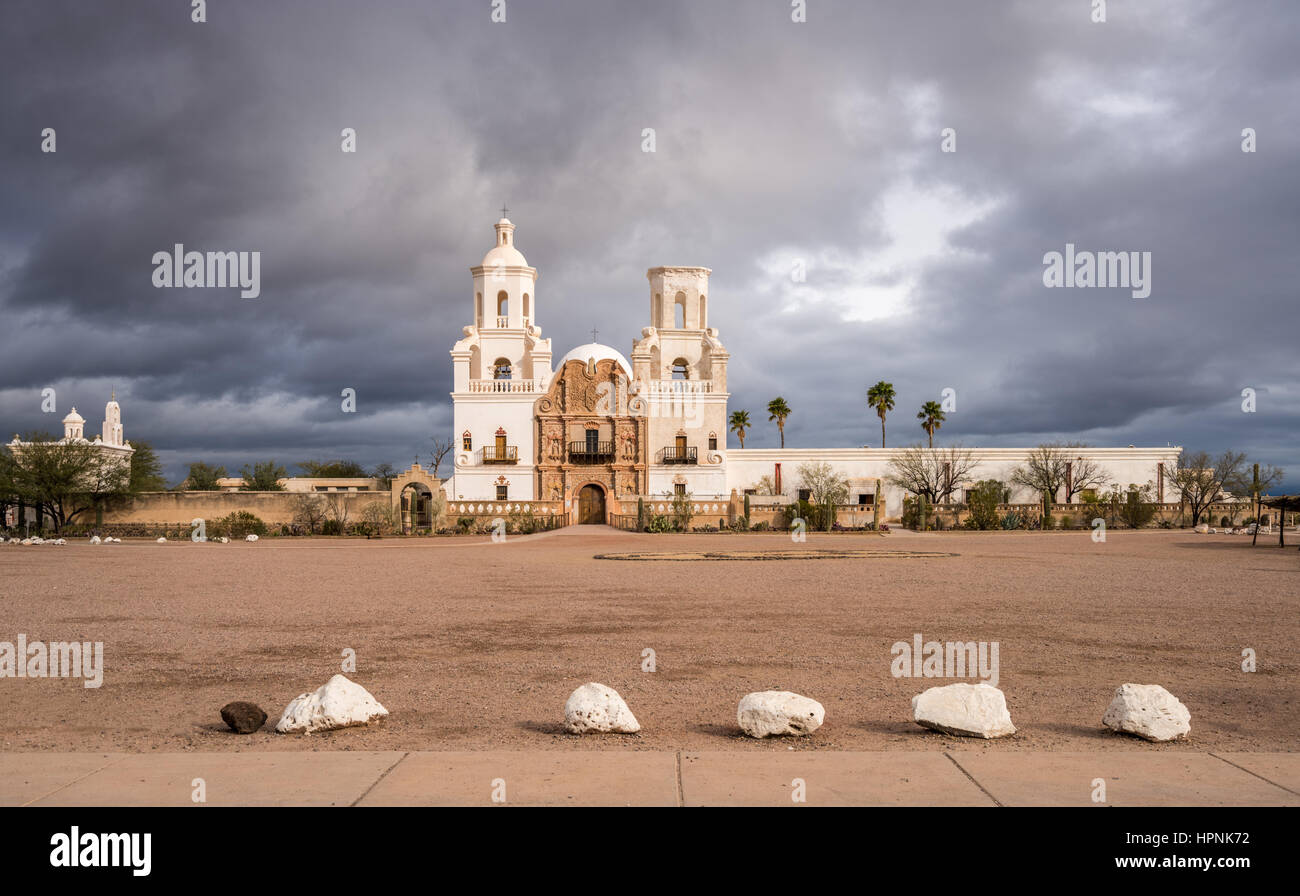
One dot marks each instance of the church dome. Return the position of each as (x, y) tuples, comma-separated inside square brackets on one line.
[(74, 417), (598, 352)]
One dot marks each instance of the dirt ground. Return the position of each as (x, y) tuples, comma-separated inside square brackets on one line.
[(475, 645)]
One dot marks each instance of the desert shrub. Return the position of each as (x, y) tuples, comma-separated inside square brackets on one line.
[(331, 527), (683, 508), (237, 525), (815, 516), (1136, 510), (983, 502), (1013, 519), (912, 511), (761, 526), (379, 518), (464, 524), (659, 523), (522, 522)]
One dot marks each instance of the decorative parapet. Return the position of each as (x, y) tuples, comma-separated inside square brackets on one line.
[(506, 386), (502, 508)]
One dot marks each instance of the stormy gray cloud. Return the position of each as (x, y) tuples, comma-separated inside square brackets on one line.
[(778, 144)]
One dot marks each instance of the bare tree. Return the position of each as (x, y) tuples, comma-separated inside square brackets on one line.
[(1044, 472), (308, 512), (1082, 473), (336, 505), (826, 488), (1201, 480), (933, 473), (441, 448)]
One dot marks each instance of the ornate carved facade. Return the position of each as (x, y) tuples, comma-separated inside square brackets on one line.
[(590, 431)]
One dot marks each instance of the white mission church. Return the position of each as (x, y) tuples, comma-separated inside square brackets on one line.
[(597, 427)]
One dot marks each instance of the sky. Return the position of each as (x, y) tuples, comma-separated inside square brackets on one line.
[(779, 147)]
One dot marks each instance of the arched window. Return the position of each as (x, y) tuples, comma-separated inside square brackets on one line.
[(501, 370), (679, 311), (466, 442), (503, 303), (478, 309), (681, 369), (528, 311), (704, 312)]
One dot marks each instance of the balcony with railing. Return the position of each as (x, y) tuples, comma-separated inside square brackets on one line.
[(688, 454), (677, 387), (500, 454), (591, 452)]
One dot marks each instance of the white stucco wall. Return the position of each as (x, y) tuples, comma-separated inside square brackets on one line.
[(861, 466)]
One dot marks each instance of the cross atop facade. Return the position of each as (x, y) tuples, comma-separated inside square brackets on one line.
[(504, 209), (594, 333)]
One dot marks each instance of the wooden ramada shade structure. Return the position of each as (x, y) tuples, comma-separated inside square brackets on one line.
[(1283, 503)]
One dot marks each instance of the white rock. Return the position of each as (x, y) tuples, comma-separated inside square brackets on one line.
[(250, 537), (764, 713), (161, 540), (1148, 711), (1202, 529), (967, 710), (596, 708), (339, 703), (27, 541), (225, 540), (94, 539)]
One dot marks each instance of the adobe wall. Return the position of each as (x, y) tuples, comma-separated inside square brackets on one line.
[(176, 508)]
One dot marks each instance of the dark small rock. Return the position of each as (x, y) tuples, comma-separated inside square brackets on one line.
[(243, 718)]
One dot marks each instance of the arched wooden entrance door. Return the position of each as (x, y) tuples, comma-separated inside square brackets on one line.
[(591, 504)]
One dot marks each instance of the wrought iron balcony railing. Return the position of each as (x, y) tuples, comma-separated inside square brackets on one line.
[(688, 455), (591, 452), (494, 455)]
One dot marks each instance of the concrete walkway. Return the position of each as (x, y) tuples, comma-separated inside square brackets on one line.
[(557, 778)]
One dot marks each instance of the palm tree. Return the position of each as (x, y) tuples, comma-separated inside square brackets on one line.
[(931, 418), (778, 411), (740, 423), (881, 397)]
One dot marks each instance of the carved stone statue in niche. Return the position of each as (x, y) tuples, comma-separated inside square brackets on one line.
[(554, 488)]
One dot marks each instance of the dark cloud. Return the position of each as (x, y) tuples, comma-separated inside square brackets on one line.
[(777, 143)]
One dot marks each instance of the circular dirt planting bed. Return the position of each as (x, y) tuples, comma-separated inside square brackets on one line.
[(774, 555)]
